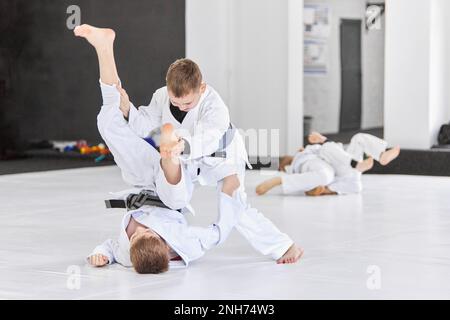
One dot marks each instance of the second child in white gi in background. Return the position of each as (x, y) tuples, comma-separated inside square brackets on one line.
[(201, 119), (324, 167)]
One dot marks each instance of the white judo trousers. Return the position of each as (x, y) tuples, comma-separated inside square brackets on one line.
[(202, 128), (140, 166), (312, 173), (360, 144), (348, 180)]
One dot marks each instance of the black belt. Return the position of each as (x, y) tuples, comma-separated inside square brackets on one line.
[(224, 142), (219, 154), (135, 201)]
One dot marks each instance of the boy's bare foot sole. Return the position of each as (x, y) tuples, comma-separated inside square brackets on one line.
[(365, 165), (97, 37), (292, 255), (389, 155), (267, 185), (320, 191)]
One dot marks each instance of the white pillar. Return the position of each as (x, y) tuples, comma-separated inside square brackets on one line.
[(416, 99), (207, 41), (439, 67), (252, 52), (295, 76)]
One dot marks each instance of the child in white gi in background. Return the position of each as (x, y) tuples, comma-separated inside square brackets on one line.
[(202, 119), (150, 236), (325, 168)]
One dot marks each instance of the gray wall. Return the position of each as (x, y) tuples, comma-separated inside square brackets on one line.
[(252, 52), (322, 94), (51, 77)]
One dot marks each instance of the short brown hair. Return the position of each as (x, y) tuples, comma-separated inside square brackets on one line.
[(183, 77), (149, 255)]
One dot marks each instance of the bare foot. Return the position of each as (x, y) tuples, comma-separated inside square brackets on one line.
[(365, 165), (267, 185), (320, 191), (292, 255), (317, 191), (389, 155), (97, 37), (169, 143)]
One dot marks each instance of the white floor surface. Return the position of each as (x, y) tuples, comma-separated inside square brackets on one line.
[(390, 242)]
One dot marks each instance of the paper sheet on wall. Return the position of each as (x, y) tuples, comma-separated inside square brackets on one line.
[(317, 27), (317, 21), (315, 57)]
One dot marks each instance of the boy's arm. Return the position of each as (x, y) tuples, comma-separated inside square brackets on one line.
[(208, 133), (175, 196), (105, 251), (284, 162), (143, 120)]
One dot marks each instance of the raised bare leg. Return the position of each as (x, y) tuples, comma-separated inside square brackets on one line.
[(102, 40)]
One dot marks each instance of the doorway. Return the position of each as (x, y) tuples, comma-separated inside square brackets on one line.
[(351, 75)]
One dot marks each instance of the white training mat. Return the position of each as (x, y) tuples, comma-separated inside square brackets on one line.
[(392, 241)]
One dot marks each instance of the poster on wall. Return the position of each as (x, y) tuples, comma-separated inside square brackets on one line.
[(315, 57), (317, 20)]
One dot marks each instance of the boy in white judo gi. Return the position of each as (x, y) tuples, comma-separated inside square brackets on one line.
[(206, 123), (324, 167), (151, 236)]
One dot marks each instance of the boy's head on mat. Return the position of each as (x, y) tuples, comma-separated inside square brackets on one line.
[(184, 84), (149, 253)]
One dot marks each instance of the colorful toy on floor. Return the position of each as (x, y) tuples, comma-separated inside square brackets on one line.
[(83, 147), (100, 148)]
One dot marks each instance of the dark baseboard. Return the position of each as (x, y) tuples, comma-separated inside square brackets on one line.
[(47, 160), (433, 162)]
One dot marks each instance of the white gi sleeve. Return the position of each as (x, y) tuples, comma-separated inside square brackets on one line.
[(145, 119), (175, 196), (108, 248)]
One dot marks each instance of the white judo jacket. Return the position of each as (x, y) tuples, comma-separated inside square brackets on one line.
[(171, 225), (310, 152), (202, 128), (189, 242), (140, 167)]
